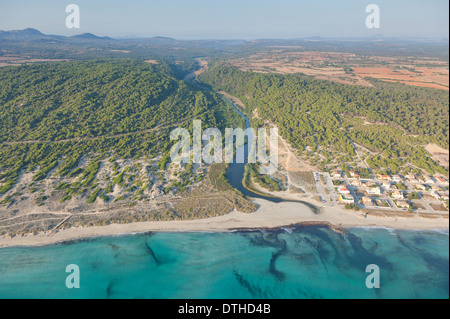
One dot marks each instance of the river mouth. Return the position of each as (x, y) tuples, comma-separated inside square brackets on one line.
[(235, 172)]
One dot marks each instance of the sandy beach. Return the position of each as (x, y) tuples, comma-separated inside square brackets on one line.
[(269, 215)]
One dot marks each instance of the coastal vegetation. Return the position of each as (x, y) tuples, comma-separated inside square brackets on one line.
[(94, 136), (328, 123), (252, 175), (56, 114)]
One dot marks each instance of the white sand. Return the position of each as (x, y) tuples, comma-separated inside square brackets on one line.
[(269, 215)]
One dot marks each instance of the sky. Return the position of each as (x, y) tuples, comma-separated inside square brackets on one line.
[(230, 19)]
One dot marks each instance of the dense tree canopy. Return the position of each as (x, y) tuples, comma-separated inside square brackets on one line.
[(317, 113), (53, 114)]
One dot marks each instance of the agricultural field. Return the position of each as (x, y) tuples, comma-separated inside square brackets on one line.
[(348, 68)]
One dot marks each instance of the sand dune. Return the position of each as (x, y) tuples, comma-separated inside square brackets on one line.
[(269, 215)]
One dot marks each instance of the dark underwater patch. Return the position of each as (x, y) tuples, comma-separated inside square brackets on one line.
[(256, 292), (152, 253)]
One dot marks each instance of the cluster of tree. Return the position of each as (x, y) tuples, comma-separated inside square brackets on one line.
[(53, 114), (265, 181), (322, 114)]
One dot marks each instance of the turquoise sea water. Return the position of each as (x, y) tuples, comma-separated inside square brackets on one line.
[(306, 262)]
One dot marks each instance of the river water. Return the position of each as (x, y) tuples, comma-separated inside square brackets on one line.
[(235, 172)]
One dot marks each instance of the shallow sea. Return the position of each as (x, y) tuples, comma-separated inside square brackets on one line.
[(302, 262)]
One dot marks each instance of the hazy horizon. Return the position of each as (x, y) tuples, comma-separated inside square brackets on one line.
[(243, 20), (349, 38)]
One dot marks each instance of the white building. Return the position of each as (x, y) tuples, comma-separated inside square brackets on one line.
[(398, 195), (442, 180), (422, 187), (354, 174), (435, 188), (367, 201), (422, 179), (402, 204), (347, 199), (336, 174), (436, 195), (343, 190), (374, 190), (371, 184), (356, 183)]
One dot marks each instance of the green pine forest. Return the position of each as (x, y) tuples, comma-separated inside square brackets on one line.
[(55, 114), (326, 120)]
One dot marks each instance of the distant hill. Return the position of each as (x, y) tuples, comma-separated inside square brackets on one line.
[(89, 36), (26, 34), (56, 46), (163, 38), (31, 34)]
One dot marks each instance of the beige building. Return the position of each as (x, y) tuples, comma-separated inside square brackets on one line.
[(347, 199), (336, 174), (436, 195), (374, 190), (402, 204), (354, 174), (398, 195), (367, 201), (356, 183), (442, 180), (422, 187), (343, 190)]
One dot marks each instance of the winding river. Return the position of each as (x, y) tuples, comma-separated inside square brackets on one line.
[(235, 172)]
